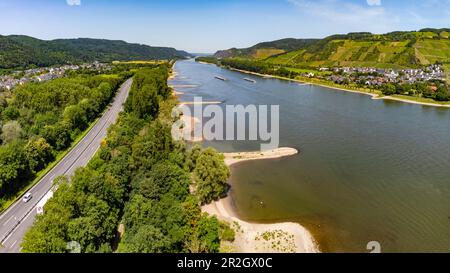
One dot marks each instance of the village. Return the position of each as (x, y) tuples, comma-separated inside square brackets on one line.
[(42, 74), (378, 77)]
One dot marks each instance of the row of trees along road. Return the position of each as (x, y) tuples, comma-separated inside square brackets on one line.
[(40, 120), (134, 196)]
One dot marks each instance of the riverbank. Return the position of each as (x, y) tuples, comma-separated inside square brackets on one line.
[(253, 237), (233, 158), (183, 86), (341, 165), (191, 129), (200, 103), (172, 74), (400, 99), (376, 95), (261, 238)]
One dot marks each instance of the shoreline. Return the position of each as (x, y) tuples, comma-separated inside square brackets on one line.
[(247, 232), (190, 129), (234, 158), (287, 237), (172, 74), (183, 86), (411, 102), (249, 237), (199, 103), (373, 95)]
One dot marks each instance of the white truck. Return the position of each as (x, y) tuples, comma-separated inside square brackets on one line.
[(41, 204)]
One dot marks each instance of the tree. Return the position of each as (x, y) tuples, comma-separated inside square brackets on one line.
[(211, 175), (49, 231), (148, 239), (95, 225), (11, 131), (137, 210), (144, 101), (406, 89), (76, 116), (226, 233), (42, 120), (139, 179), (442, 94), (39, 153), (10, 113), (207, 232), (58, 135), (389, 89), (192, 156), (48, 235), (153, 145), (163, 178), (89, 108), (13, 167)]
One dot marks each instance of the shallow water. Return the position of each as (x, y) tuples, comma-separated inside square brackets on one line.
[(369, 170)]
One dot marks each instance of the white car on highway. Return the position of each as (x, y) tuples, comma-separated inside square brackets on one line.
[(27, 197)]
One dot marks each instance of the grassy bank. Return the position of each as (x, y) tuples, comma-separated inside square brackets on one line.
[(324, 83), (377, 93), (418, 100)]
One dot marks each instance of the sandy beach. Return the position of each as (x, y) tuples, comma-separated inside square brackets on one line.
[(233, 158), (183, 86), (205, 63), (261, 238), (173, 75), (412, 102), (199, 103), (191, 125)]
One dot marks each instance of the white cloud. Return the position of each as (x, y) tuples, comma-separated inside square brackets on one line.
[(74, 2), (374, 2), (344, 16)]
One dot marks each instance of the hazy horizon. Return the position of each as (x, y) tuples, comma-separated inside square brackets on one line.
[(201, 26)]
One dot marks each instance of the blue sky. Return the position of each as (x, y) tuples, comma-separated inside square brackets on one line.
[(206, 26)]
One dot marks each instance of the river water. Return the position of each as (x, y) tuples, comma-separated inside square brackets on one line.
[(368, 170)]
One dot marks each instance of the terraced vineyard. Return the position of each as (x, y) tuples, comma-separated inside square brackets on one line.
[(431, 51), (266, 53), (392, 50), (382, 54), (447, 71)]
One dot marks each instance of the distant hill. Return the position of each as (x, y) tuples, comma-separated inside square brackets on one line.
[(18, 51), (395, 49), (266, 49)]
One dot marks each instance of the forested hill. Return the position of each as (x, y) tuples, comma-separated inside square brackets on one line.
[(267, 49), (18, 51), (395, 49)]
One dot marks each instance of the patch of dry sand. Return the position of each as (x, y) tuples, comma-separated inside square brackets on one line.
[(261, 238)]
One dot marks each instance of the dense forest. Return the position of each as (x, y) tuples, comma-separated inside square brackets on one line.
[(40, 120), (142, 191), (25, 52)]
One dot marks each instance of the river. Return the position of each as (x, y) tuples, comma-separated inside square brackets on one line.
[(368, 170)]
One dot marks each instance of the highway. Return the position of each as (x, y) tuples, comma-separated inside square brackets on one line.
[(15, 221)]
